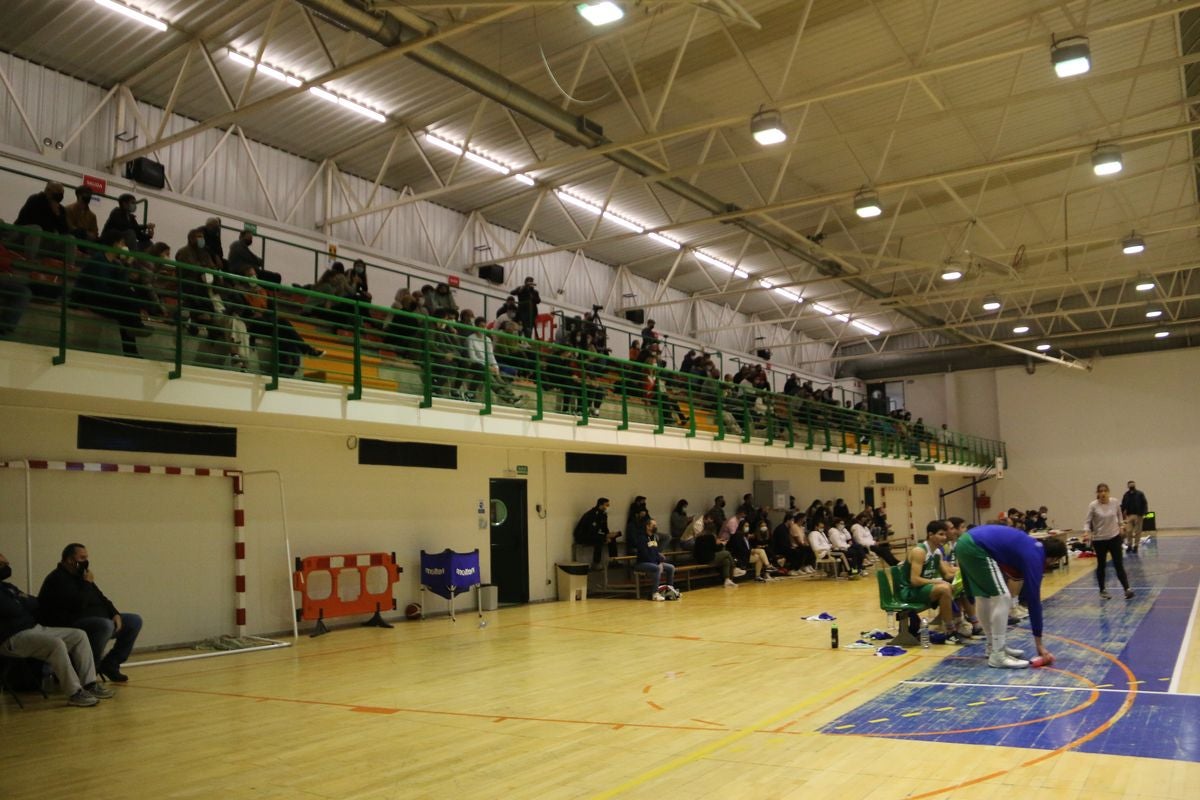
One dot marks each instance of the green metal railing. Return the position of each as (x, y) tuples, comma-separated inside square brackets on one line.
[(81, 296)]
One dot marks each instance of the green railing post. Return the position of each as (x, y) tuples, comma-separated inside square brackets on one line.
[(584, 400), (356, 392), (769, 403), (426, 365), (177, 370), (624, 426), (747, 418), (538, 389), (61, 357), (487, 378), (658, 401), (720, 390), (273, 384), (691, 409)]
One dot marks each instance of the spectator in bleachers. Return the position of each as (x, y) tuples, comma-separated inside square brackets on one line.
[(357, 278), (746, 552), (717, 512), (680, 522), (480, 360), (648, 333), (527, 305), (592, 529), (403, 331), (123, 220), (843, 543), (651, 561), (861, 533), (842, 511), (799, 539), (202, 301), (212, 241), (508, 311), (783, 549), (446, 353), (709, 551), (441, 299), (257, 309), (241, 256), (81, 222), (333, 281), (103, 287), (513, 353), (43, 212), (698, 525)]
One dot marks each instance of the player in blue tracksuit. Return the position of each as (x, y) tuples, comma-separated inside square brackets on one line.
[(986, 555)]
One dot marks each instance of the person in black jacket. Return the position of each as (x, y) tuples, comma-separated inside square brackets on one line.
[(592, 529), (1134, 506), (651, 561), (69, 597), (66, 650), (527, 305), (123, 219)]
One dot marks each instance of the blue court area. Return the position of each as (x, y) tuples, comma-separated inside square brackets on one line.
[(1108, 691)]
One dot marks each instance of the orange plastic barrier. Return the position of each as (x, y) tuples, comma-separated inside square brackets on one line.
[(342, 585)]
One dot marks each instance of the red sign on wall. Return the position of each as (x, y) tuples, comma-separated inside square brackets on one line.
[(453, 281), (97, 185)]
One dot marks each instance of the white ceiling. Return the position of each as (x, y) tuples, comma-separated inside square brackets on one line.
[(949, 109)]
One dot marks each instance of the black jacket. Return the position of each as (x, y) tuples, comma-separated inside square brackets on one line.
[(17, 611), (1134, 502), (65, 598), (592, 523)]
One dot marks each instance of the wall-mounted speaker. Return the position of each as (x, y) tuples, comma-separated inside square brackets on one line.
[(492, 273)]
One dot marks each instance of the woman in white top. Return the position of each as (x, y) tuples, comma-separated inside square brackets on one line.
[(1103, 528)]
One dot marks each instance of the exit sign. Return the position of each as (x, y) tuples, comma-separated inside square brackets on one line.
[(522, 469)]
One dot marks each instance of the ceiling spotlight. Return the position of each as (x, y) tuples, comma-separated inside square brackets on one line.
[(1144, 283), (1161, 334), (866, 204), (767, 127), (1106, 159), (1043, 347), (1153, 312), (951, 274), (1133, 244), (1021, 329), (991, 303), (1070, 56), (600, 13)]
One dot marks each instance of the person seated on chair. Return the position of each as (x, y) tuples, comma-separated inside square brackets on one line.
[(123, 221), (926, 579), (66, 650), (592, 529), (822, 548), (839, 537), (861, 531), (707, 550), (69, 597), (651, 561), (746, 552)]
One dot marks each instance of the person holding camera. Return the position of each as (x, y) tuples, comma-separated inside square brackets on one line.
[(527, 305)]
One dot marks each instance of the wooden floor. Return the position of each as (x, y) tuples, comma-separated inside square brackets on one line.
[(721, 695)]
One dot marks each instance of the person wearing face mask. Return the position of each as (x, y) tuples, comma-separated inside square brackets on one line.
[(43, 212), (81, 222), (357, 280), (103, 287), (123, 219), (66, 650), (203, 302), (69, 597)]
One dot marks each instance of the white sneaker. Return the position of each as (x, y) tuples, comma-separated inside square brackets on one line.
[(657, 596), (808, 570), (1012, 652), (738, 572), (1004, 661), (729, 584)]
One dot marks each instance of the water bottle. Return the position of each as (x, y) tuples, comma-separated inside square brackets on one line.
[(833, 637), (924, 634)]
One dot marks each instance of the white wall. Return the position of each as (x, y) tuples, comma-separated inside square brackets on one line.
[(161, 545), (1130, 417)]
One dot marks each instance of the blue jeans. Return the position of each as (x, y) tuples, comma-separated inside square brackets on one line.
[(100, 629), (663, 572)]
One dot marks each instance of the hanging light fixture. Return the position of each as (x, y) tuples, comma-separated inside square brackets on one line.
[(1153, 311), (1144, 283), (600, 13), (133, 13), (951, 272), (866, 204), (991, 303), (1043, 347), (766, 126), (1133, 244), (1107, 160), (1070, 56), (1020, 329), (1161, 334)]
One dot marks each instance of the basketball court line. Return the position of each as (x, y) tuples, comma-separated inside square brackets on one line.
[(1185, 644), (1012, 687)]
